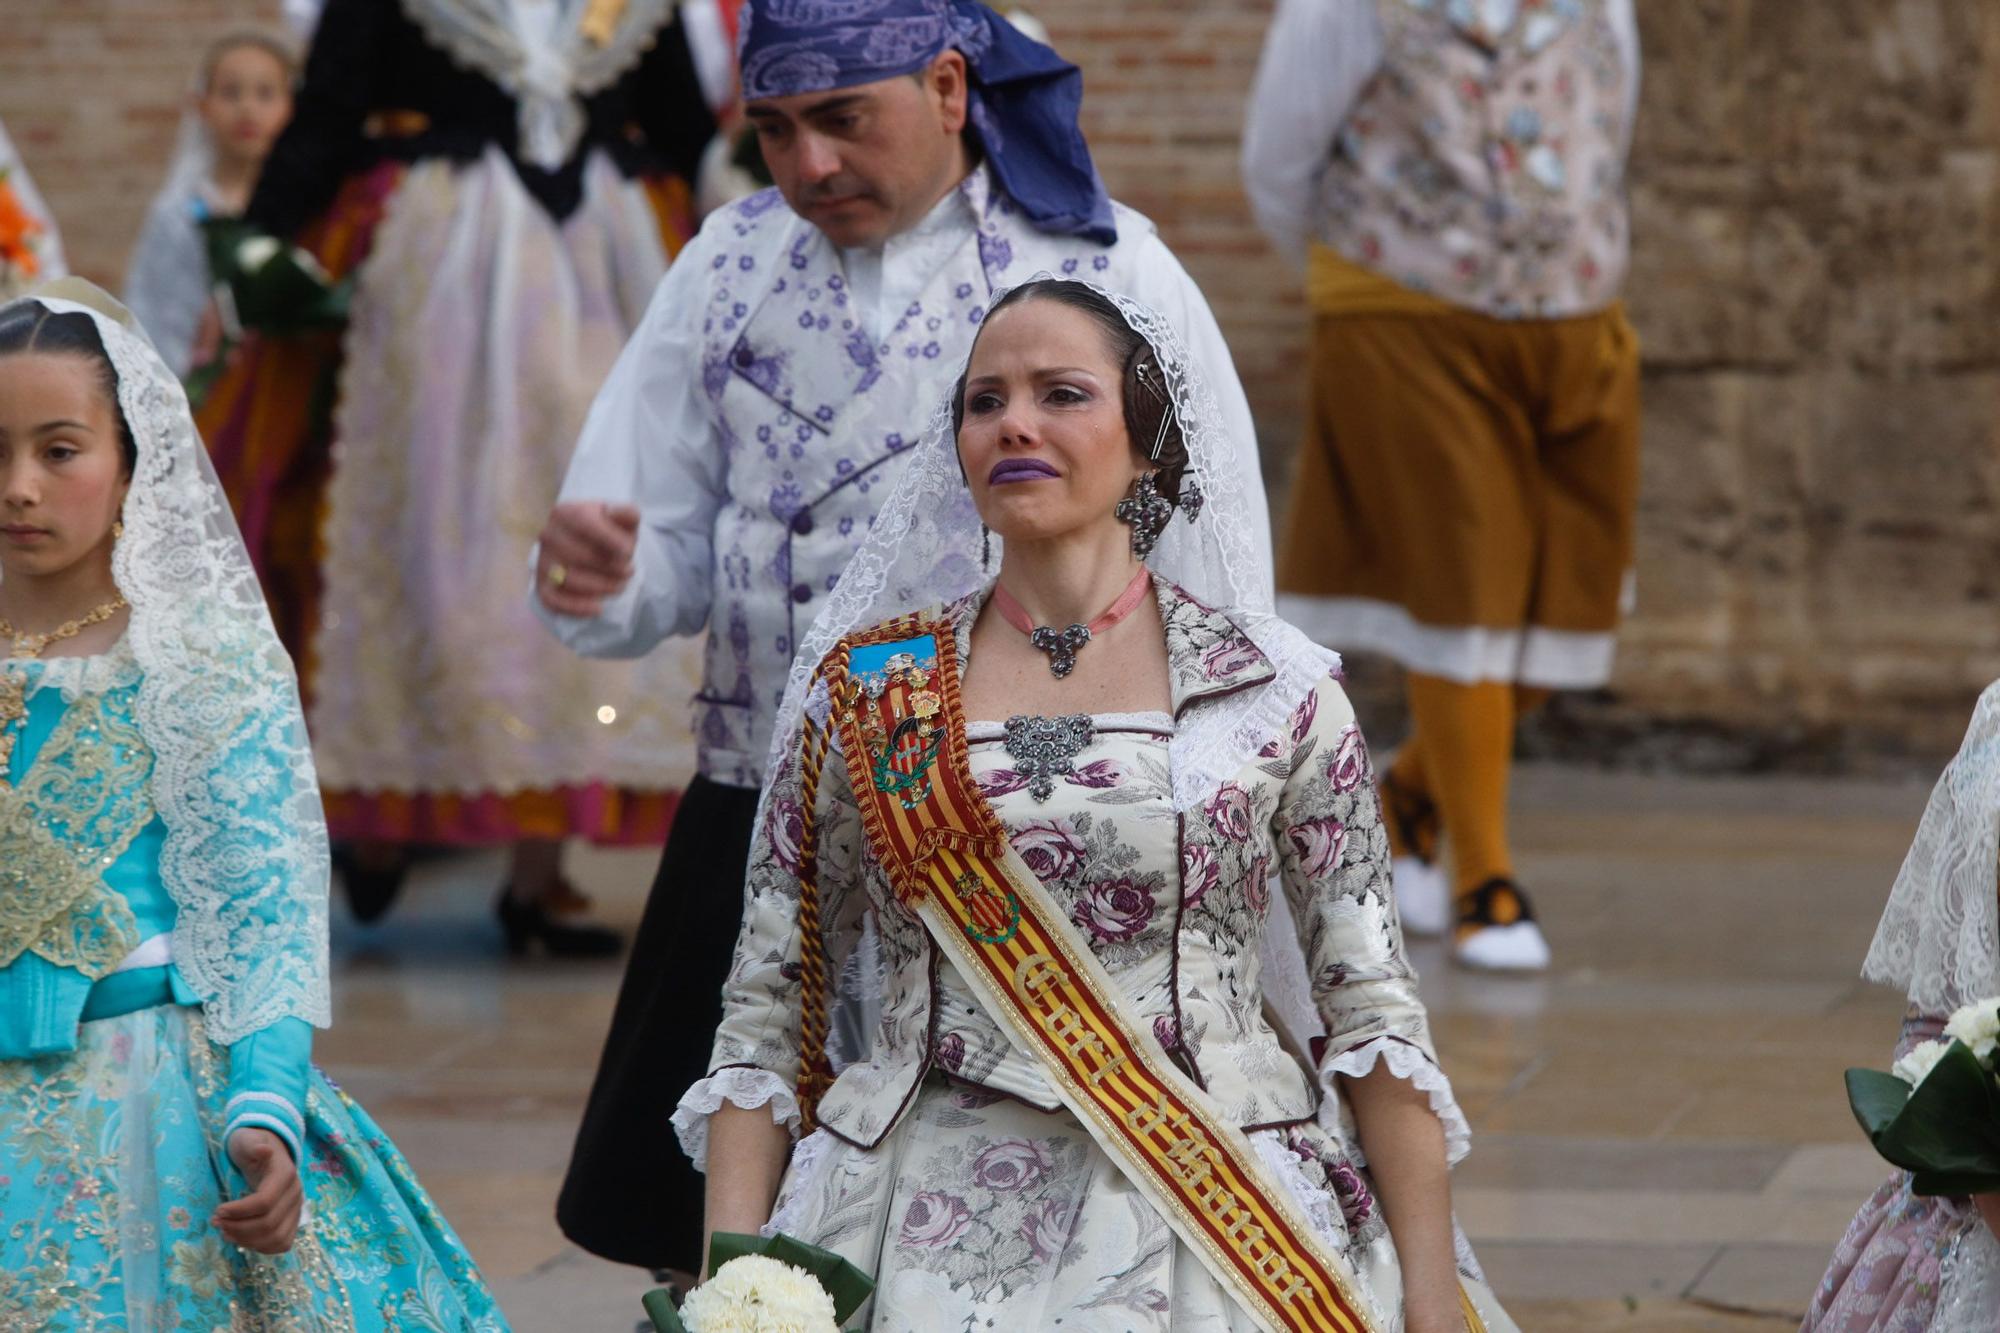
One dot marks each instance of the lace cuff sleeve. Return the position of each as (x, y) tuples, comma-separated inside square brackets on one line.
[(739, 1085), (1411, 1064)]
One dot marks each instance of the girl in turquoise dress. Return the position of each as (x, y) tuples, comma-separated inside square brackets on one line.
[(169, 1158)]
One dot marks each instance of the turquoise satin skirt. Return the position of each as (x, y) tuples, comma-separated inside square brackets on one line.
[(111, 1162)]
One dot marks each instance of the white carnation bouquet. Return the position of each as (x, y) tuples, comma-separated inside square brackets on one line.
[(1936, 1113), (762, 1284)]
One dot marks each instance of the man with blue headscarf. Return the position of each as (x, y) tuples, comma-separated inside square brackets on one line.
[(926, 155)]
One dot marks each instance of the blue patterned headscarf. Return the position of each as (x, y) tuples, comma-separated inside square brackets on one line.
[(1023, 96)]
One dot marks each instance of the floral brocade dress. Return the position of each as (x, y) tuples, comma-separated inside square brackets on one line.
[(115, 1105), (975, 1198)]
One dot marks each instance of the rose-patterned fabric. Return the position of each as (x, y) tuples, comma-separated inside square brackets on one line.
[(982, 1212), (1174, 905)]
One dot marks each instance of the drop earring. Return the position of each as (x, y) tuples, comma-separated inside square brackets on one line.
[(1147, 511), (985, 547), (117, 529)]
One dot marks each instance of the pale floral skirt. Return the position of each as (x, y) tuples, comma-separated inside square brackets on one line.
[(1910, 1264), (981, 1212), (111, 1162)]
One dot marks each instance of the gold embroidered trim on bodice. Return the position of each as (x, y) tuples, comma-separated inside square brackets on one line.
[(77, 809)]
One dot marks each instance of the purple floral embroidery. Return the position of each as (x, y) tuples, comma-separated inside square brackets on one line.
[(1229, 658), (951, 1051), (1046, 1229), (1302, 717), (786, 827), (1357, 1201), (1050, 847), (1097, 774), (1012, 1164), (1257, 885), (1001, 782), (1229, 811), (996, 252), (1348, 769), (1318, 843), (935, 1219), (1167, 1031), (1113, 909), (1200, 869)]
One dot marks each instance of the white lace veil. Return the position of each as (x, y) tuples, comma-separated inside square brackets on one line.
[(924, 550), (245, 858), (1940, 934)]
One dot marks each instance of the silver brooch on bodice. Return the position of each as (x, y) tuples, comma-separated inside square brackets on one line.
[(1044, 748)]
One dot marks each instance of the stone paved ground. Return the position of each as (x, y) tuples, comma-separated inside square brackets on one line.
[(1662, 1142)]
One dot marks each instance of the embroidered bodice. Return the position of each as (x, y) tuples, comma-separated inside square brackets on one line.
[(1175, 903), (79, 840)]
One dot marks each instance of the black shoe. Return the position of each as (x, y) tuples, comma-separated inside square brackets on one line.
[(371, 891), (525, 923)]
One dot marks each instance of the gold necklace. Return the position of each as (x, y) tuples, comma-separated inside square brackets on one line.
[(34, 645)]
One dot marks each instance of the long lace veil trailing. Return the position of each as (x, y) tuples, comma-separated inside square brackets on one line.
[(1939, 938), (924, 550), (245, 858)]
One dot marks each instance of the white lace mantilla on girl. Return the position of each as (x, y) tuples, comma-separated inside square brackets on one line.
[(245, 858)]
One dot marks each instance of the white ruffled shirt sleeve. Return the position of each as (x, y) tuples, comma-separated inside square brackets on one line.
[(1318, 56), (739, 1085)]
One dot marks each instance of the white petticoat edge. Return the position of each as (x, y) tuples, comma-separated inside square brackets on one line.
[(1412, 1065), (739, 1085)]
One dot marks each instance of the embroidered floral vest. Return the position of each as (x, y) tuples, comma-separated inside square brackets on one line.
[(1485, 162)]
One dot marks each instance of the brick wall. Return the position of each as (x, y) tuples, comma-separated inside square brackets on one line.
[(1817, 200)]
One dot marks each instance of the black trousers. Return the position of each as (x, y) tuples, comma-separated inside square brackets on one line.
[(631, 1195)]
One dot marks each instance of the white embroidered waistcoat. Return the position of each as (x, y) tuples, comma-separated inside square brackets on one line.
[(1485, 161)]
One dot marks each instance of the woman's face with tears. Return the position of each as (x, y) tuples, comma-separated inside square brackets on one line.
[(1042, 433)]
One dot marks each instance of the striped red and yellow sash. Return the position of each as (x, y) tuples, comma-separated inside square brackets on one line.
[(896, 709)]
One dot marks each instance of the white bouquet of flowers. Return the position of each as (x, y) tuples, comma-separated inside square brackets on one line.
[(765, 1285), (1936, 1113)]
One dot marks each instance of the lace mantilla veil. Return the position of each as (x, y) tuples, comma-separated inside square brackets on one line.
[(924, 551), (245, 857), (1939, 938)]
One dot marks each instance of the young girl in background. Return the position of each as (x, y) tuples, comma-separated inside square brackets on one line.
[(242, 103)]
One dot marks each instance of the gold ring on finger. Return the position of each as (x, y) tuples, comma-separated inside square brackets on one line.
[(558, 574)]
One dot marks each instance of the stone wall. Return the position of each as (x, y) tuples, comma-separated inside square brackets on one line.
[(1817, 198)]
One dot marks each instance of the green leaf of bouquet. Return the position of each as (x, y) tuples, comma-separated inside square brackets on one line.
[(1954, 1184), (1876, 1098), (1949, 1126), (660, 1309)]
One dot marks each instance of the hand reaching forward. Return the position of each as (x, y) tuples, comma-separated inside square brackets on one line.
[(266, 1218), (586, 556)]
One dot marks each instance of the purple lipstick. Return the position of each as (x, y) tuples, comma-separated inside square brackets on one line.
[(1019, 469)]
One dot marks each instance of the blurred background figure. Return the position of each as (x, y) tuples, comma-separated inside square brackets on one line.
[(1451, 176), (500, 185), (30, 249), (241, 100)]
